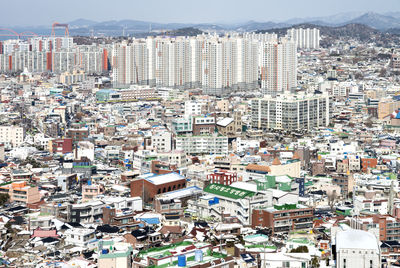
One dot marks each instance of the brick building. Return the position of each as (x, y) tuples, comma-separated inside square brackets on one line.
[(283, 218), (222, 177), (160, 167), (203, 125), (61, 146), (389, 227), (113, 217), (149, 185), (78, 134), (368, 163), (344, 181)]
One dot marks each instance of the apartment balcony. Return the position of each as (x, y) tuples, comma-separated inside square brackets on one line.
[(282, 224)]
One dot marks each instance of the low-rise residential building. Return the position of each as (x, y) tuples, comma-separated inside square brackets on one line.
[(12, 136), (115, 255), (213, 144), (90, 191), (21, 192), (79, 236), (283, 218)]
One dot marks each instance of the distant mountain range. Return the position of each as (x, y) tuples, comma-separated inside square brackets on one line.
[(383, 22)]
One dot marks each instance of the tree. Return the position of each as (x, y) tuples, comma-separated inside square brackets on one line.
[(382, 73), (3, 199), (32, 162), (230, 244), (315, 262), (300, 249), (241, 240), (332, 199)]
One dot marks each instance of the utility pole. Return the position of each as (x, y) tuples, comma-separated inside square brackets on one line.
[(265, 263)]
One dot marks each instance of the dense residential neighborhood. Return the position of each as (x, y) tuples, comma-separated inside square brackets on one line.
[(234, 149)]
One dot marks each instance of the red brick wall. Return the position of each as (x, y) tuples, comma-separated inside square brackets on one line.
[(368, 163), (151, 190)]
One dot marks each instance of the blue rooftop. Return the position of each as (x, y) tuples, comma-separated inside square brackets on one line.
[(150, 220)]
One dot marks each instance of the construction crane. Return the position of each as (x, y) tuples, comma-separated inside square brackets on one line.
[(10, 32), (58, 25), (29, 34)]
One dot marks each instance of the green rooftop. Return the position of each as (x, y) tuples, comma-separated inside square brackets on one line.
[(300, 241), (228, 191), (159, 249)]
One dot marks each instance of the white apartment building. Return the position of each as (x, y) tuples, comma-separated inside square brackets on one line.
[(278, 66), (91, 59), (119, 203), (374, 205), (162, 141), (130, 63), (291, 111), (12, 136), (193, 108), (173, 157), (216, 64), (79, 236), (203, 144), (305, 38)]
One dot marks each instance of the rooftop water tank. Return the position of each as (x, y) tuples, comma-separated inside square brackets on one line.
[(181, 261), (198, 255)]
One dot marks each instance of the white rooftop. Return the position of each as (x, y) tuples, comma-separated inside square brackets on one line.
[(79, 231), (245, 186), (165, 178), (356, 239), (224, 122), (283, 178), (180, 193)]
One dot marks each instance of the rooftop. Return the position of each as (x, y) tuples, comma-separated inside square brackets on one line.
[(356, 239), (228, 191), (165, 178), (180, 193)]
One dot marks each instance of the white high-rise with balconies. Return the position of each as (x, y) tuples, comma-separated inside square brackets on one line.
[(305, 38), (278, 66), (216, 64)]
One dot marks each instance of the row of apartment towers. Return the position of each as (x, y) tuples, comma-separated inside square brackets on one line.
[(216, 64)]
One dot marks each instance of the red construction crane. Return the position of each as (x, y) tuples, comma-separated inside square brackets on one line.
[(56, 24), (29, 34), (11, 32)]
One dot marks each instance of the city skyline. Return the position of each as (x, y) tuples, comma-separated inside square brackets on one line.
[(182, 12)]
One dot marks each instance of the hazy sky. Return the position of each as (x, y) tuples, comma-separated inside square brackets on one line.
[(44, 12)]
